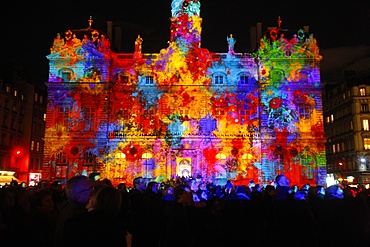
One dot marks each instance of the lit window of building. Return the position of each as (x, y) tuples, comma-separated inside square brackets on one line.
[(362, 91), (367, 143), (365, 124)]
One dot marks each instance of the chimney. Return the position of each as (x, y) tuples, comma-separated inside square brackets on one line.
[(109, 30), (117, 39), (259, 31), (253, 36)]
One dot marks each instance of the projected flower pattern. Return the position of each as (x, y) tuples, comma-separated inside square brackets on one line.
[(262, 110)]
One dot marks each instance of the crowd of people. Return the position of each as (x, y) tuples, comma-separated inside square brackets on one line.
[(183, 212)]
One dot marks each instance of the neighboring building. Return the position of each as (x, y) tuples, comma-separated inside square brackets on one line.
[(186, 111), (347, 129), (21, 125)]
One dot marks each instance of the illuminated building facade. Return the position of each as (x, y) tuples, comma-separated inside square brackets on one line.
[(186, 111)]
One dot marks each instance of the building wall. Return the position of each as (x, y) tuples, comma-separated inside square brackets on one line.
[(16, 118), (346, 126), (185, 110)]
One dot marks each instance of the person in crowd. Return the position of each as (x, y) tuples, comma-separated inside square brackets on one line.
[(100, 225), (167, 193), (178, 224), (43, 184), (282, 208), (122, 187), (229, 188), (147, 217), (40, 221), (77, 191), (184, 217), (257, 192), (139, 186), (56, 189), (236, 209), (12, 216), (282, 187)]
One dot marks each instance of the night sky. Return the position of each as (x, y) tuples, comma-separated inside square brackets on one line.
[(342, 29)]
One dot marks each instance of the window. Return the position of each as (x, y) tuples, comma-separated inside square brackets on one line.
[(61, 171), (307, 166), (304, 112), (243, 79), (89, 158), (89, 118), (63, 116), (41, 99), (2, 140), (15, 93), (332, 118), (219, 79), (124, 79), (365, 124), (364, 108), (66, 76), (367, 143), (149, 80), (334, 150), (38, 146), (151, 112), (5, 121), (61, 158), (36, 97), (32, 145), (338, 147), (7, 89), (12, 123), (14, 108), (362, 91)]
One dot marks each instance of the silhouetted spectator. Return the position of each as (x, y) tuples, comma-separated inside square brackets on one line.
[(148, 217), (56, 189), (100, 226), (77, 191), (12, 217), (41, 220)]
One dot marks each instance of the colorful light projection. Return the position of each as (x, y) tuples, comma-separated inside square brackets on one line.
[(229, 116)]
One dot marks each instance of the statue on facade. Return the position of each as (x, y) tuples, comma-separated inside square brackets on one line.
[(231, 42), (103, 44), (138, 43), (58, 43)]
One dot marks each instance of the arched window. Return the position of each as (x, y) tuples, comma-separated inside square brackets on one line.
[(243, 79), (307, 163), (66, 74), (147, 164), (219, 78), (119, 158)]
